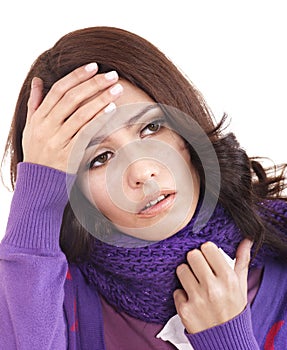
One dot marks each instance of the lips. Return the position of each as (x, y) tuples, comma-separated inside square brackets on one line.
[(157, 205), (155, 201)]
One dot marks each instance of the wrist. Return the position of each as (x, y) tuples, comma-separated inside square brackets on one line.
[(235, 334)]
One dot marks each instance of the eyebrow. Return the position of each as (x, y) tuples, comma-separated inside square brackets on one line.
[(131, 121)]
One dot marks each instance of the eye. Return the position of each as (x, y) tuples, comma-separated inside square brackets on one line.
[(151, 128), (100, 160)]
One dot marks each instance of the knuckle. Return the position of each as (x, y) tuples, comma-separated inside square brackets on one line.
[(104, 98), (193, 255), (214, 294), (81, 116), (50, 147), (98, 83), (95, 83), (59, 88), (181, 269), (78, 74), (184, 310), (73, 97), (230, 279)]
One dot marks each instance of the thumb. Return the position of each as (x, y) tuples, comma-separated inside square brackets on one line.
[(242, 261), (36, 96)]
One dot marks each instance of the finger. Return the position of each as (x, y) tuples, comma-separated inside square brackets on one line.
[(243, 259), (36, 96), (90, 110), (187, 279), (184, 310), (215, 258), (200, 267), (80, 95), (79, 144), (180, 298), (60, 88)]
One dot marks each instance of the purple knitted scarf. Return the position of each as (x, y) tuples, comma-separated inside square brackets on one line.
[(140, 281)]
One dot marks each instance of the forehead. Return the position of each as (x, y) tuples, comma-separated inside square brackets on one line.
[(125, 116), (131, 94)]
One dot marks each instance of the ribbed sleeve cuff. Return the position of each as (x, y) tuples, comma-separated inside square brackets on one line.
[(236, 334), (39, 199)]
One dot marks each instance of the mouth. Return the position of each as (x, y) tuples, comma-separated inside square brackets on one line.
[(157, 205)]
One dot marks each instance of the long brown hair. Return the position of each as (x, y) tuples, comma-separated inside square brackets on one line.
[(244, 182)]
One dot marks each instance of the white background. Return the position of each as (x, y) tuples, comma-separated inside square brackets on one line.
[(233, 51)]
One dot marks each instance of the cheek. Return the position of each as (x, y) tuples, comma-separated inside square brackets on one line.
[(174, 140), (94, 190), (183, 149), (181, 146)]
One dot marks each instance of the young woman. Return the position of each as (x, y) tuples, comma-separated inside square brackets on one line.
[(125, 190)]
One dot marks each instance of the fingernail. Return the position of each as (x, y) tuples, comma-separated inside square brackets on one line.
[(111, 75), (110, 107), (115, 90), (91, 67)]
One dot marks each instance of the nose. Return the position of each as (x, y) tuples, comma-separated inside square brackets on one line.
[(140, 172)]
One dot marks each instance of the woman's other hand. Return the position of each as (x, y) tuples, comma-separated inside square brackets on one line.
[(213, 292)]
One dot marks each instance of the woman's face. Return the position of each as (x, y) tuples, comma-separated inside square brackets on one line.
[(137, 171)]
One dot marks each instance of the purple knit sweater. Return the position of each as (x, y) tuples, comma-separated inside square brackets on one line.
[(45, 304)]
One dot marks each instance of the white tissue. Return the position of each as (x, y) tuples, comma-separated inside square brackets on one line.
[(173, 331), (230, 261)]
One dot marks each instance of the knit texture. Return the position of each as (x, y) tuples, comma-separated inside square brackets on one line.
[(38, 189), (140, 281), (238, 335)]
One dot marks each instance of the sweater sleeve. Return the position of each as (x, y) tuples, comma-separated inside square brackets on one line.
[(236, 334), (32, 266)]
